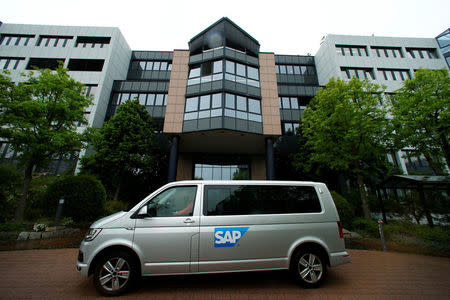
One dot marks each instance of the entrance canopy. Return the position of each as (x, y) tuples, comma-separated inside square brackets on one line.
[(420, 183), (414, 182)]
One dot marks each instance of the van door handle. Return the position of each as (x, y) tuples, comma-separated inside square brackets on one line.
[(189, 221)]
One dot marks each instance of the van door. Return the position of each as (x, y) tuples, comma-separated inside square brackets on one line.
[(168, 237)]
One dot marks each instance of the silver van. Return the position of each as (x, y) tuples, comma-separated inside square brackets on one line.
[(195, 227)]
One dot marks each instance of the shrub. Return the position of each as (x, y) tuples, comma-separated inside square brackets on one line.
[(12, 226), (366, 227), (83, 197), (344, 209), (10, 180), (36, 205), (112, 206)]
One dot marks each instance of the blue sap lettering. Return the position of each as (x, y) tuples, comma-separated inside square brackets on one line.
[(228, 236), (219, 238), (236, 236)]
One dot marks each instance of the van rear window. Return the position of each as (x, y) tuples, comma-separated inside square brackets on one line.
[(259, 199)]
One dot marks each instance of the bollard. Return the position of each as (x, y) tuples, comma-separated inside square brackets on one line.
[(383, 241), (59, 211)]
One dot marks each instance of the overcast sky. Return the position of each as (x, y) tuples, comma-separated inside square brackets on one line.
[(283, 27)]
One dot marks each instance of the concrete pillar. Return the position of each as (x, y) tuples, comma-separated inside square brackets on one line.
[(270, 160), (173, 159)]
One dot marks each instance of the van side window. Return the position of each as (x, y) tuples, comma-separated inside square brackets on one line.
[(173, 202), (260, 199)]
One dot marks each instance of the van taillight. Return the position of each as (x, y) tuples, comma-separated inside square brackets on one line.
[(341, 233)]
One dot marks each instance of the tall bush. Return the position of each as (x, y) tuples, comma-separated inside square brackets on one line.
[(344, 208), (84, 197), (10, 180)]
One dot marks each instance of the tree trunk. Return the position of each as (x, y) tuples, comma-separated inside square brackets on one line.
[(436, 169), (364, 201), (119, 185), (426, 210), (445, 147), (24, 196)]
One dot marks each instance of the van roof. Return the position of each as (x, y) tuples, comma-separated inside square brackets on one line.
[(247, 182)]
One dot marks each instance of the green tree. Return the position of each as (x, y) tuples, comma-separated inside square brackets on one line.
[(421, 116), (346, 130), (123, 146), (39, 117)]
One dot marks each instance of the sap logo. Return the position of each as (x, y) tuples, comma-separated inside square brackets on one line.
[(229, 236)]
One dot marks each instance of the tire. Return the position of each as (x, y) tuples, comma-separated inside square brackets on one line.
[(115, 273), (309, 267)]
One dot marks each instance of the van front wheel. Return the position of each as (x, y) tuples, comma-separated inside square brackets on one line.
[(115, 273), (309, 268)]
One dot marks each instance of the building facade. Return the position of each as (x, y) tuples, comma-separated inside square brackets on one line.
[(222, 109), (443, 41), (387, 61)]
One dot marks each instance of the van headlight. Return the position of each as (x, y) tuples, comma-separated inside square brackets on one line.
[(91, 234)]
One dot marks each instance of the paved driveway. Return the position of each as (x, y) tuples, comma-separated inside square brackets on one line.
[(50, 274)]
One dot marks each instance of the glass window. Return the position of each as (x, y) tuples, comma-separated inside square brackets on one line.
[(303, 69), (218, 76), (151, 99), (252, 73), (229, 101), (173, 202), (142, 99), (193, 81), (297, 70), (133, 96), (230, 67), (159, 99), (294, 103), (204, 114), (253, 199), (163, 66), (192, 104), (194, 73), (282, 69), (288, 128), (240, 70), (256, 118), (217, 68), (240, 79), (345, 74), (149, 66), (204, 102), (191, 116), (277, 69), (125, 97), (253, 82), (254, 106), (241, 103), (286, 102), (206, 68), (216, 100), (216, 113), (230, 113), (290, 70), (230, 77), (156, 65), (241, 115), (142, 65), (207, 78)]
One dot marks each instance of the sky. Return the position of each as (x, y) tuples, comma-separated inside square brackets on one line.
[(280, 26)]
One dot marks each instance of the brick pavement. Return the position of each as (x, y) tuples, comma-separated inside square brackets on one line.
[(50, 274)]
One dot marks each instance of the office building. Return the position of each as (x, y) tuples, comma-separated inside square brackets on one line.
[(222, 109)]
